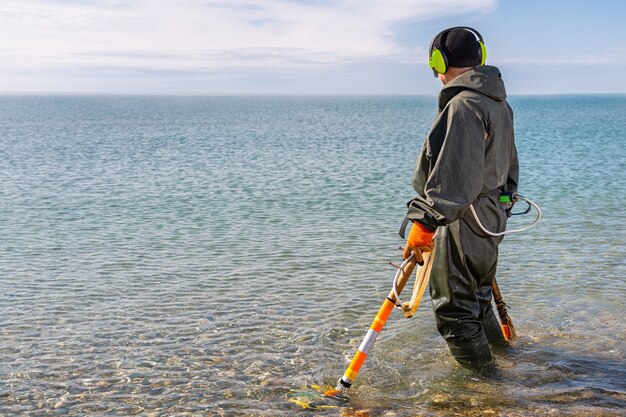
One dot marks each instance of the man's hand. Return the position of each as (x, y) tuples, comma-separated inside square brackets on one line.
[(420, 240)]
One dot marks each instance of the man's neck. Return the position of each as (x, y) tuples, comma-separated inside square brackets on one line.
[(452, 73)]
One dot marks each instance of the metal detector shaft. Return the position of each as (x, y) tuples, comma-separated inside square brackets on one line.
[(402, 276)]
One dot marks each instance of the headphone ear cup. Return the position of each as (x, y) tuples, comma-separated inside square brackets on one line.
[(483, 53), (438, 61)]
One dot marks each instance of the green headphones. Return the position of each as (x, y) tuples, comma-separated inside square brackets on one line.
[(437, 59)]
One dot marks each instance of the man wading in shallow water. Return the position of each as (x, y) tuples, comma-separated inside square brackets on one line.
[(468, 157)]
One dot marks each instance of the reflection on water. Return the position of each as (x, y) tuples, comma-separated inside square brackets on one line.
[(205, 256)]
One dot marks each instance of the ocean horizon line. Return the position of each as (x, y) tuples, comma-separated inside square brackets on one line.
[(140, 94)]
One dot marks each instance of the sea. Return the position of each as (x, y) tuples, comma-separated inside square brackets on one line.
[(206, 256)]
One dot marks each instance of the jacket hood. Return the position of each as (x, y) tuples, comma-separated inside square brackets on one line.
[(486, 80)]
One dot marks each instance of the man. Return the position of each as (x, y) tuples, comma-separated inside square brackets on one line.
[(468, 158)]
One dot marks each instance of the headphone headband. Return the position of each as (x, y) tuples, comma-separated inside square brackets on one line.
[(469, 29)]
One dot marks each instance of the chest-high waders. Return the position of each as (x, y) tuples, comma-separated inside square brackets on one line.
[(462, 282)]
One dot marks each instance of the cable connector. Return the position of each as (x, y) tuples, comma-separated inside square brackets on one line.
[(509, 197)]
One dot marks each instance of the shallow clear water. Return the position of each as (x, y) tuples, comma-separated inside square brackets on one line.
[(205, 255)]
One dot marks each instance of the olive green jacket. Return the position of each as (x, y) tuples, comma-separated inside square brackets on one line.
[(468, 153)]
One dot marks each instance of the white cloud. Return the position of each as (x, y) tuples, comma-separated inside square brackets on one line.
[(209, 34)]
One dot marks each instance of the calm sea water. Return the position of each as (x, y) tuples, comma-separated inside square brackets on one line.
[(205, 255)]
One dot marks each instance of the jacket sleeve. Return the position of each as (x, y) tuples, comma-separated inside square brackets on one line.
[(513, 177), (449, 173)]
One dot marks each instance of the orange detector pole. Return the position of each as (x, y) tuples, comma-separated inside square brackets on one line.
[(402, 277)]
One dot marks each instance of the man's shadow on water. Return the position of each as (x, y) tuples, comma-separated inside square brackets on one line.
[(548, 374), (532, 379)]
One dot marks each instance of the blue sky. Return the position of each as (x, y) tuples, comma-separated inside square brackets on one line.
[(301, 47)]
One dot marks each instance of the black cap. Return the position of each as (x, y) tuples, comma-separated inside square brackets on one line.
[(460, 46)]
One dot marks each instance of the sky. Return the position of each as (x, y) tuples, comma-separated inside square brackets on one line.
[(301, 46)]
